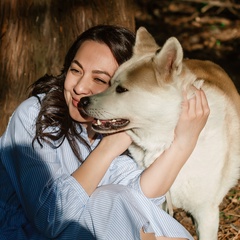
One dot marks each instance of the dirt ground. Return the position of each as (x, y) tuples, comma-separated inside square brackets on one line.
[(229, 227), (207, 31)]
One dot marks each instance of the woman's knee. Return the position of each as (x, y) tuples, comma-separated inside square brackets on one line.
[(147, 236), (167, 238), (151, 236)]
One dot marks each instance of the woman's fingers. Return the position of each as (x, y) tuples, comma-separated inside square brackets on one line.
[(193, 117), (198, 104), (204, 102)]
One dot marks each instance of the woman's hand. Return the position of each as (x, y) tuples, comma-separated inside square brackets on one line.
[(194, 115), (116, 143), (91, 172), (157, 179)]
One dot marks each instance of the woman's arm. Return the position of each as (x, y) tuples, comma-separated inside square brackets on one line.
[(91, 172), (49, 195), (158, 177)]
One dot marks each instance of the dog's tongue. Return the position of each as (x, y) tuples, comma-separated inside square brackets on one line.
[(111, 124)]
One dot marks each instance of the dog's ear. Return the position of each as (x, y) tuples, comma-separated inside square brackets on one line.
[(144, 43), (169, 59)]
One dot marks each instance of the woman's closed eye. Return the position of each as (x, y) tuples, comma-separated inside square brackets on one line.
[(75, 70), (101, 81)]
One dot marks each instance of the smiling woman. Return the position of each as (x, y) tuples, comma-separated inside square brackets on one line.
[(60, 179), (30, 32), (89, 73)]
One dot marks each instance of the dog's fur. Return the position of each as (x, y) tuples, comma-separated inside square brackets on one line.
[(147, 92)]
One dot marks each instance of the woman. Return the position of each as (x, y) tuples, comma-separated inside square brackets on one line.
[(61, 180)]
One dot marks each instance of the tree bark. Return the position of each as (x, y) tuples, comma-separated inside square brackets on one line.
[(35, 36)]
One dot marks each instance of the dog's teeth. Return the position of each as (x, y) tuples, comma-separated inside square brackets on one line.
[(99, 122), (114, 120)]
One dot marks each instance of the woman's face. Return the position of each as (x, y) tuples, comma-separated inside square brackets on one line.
[(89, 73)]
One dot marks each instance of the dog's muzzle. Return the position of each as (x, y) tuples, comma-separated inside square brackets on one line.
[(102, 125), (84, 102)]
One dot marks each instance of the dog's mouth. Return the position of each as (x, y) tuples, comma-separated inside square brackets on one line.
[(100, 125), (109, 125)]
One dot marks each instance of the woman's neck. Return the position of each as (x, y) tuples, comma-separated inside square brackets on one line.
[(90, 132)]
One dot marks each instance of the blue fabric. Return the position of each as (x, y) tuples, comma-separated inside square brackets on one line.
[(39, 199)]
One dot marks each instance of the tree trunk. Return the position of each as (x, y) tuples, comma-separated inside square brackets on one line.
[(35, 36)]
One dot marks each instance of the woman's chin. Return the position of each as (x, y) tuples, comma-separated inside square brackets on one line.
[(80, 117)]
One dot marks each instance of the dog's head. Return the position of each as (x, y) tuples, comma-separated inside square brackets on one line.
[(145, 91)]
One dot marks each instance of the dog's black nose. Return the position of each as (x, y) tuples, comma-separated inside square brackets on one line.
[(84, 102)]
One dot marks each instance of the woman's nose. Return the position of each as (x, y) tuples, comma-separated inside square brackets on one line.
[(83, 86)]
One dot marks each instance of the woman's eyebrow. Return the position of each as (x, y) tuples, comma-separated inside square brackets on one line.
[(101, 72), (78, 63), (94, 71)]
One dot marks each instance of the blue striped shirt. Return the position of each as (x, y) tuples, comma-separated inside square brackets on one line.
[(39, 199)]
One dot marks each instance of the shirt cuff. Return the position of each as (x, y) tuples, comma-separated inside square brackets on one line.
[(136, 185), (79, 189)]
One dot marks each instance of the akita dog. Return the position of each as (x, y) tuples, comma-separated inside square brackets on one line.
[(145, 100)]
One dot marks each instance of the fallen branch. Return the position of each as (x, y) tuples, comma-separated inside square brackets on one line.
[(216, 3), (231, 6)]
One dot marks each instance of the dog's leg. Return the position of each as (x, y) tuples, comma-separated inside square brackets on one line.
[(207, 221)]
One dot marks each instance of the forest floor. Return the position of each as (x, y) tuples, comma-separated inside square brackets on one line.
[(209, 31)]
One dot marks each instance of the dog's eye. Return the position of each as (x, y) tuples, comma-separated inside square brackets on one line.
[(120, 89)]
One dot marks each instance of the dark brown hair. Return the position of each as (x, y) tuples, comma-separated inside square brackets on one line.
[(54, 111)]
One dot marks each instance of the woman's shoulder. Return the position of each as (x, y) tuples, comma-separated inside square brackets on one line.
[(29, 105), (23, 118), (28, 109)]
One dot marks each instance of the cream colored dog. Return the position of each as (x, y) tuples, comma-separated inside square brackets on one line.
[(145, 100)]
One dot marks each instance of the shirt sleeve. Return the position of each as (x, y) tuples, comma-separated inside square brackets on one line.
[(124, 170), (50, 196)]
